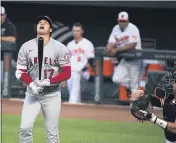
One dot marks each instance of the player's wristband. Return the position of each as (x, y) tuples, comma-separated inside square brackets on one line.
[(153, 118), (159, 122)]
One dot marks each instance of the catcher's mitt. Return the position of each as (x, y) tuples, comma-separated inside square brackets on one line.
[(142, 108)]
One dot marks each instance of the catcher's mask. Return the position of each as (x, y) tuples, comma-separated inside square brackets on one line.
[(165, 89)]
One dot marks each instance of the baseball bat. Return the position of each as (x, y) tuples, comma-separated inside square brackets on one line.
[(40, 55)]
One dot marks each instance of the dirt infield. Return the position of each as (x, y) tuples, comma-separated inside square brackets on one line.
[(80, 111)]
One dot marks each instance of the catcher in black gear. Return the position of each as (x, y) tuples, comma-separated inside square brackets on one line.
[(164, 97)]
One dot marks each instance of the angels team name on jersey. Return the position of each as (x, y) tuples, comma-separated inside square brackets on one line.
[(46, 61)]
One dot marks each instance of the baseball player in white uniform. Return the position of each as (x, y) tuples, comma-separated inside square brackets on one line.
[(124, 37), (81, 56), (45, 93)]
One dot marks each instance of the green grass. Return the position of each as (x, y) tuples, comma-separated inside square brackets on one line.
[(86, 131)]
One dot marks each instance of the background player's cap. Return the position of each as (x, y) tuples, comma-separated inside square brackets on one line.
[(2, 10), (42, 17), (123, 16)]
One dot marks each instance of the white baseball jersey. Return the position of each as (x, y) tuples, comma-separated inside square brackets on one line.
[(129, 35), (80, 53), (125, 71), (55, 55)]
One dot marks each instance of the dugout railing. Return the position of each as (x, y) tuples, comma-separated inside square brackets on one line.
[(149, 56), (99, 89)]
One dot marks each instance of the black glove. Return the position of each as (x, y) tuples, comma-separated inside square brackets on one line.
[(142, 108)]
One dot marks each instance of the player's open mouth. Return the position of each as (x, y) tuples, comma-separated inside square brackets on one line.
[(41, 27)]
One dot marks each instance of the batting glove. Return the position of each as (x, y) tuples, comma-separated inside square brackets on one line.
[(42, 83), (35, 89)]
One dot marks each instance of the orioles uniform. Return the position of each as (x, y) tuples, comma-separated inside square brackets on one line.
[(55, 55), (127, 72), (80, 53)]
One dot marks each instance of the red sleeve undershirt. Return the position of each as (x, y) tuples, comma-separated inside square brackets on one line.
[(25, 77), (64, 75)]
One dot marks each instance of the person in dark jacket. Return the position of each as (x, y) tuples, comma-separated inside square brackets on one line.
[(8, 29), (8, 35)]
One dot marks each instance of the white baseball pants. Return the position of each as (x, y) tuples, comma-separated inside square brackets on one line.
[(128, 74), (51, 110), (73, 85)]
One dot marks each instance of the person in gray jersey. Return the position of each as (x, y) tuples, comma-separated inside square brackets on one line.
[(42, 94)]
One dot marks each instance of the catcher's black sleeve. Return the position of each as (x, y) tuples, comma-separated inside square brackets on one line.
[(169, 114), (155, 101)]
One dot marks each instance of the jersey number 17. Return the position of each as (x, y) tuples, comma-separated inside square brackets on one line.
[(48, 72)]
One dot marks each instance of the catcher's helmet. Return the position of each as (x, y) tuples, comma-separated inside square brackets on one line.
[(42, 17), (167, 82)]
